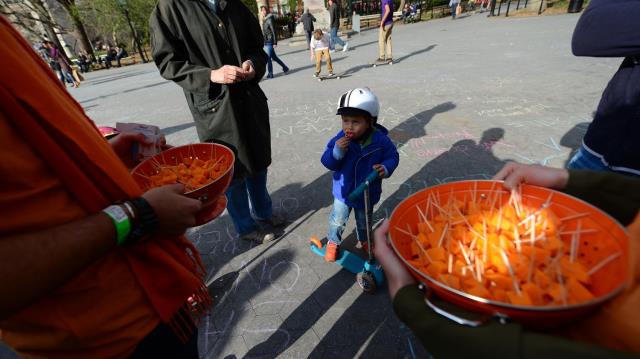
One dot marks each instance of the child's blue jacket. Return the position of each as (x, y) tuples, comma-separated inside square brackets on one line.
[(358, 162)]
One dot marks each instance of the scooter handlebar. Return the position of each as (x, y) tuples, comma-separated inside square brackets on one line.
[(353, 196)]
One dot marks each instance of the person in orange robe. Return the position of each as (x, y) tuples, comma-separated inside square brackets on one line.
[(72, 283)]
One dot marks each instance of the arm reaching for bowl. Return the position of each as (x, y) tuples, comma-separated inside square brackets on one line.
[(443, 338), (514, 173), (616, 194)]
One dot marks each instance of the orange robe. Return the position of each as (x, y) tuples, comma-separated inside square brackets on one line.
[(56, 168)]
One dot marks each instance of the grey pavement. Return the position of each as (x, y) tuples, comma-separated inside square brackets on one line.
[(463, 97)]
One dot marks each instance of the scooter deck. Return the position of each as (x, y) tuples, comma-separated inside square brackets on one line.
[(350, 261)]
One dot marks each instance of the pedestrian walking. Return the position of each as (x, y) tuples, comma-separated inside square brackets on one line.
[(307, 20), (384, 36), (334, 13), (270, 42), (453, 4)]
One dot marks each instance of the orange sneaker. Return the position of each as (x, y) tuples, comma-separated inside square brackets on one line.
[(331, 252)]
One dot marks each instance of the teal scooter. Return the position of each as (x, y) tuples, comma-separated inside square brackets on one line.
[(369, 273)]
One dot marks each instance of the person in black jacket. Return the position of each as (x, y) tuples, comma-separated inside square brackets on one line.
[(334, 13), (214, 51), (307, 23), (611, 28), (270, 42)]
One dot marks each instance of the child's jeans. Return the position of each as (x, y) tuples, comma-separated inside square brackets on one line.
[(338, 221), (323, 53)]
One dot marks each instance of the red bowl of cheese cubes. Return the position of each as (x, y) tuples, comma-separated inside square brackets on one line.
[(205, 169)]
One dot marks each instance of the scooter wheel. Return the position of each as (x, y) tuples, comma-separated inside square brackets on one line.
[(366, 281)]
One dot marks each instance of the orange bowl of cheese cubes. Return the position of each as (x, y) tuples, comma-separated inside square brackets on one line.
[(205, 169), (535, 255)]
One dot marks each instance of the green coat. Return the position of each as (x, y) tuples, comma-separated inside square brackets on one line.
[(188, 41)]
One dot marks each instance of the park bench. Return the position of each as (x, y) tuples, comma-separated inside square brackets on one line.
[(442, 10)]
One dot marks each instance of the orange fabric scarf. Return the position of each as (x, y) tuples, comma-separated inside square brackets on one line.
[(55, 125)]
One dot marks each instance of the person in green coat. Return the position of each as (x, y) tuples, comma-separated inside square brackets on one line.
[(213, 50), (616, 194)]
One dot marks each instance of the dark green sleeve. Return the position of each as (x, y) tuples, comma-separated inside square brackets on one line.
[(444, 338), (170, 54), (616, 194)]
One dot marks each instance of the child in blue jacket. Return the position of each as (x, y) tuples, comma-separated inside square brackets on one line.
[(361, 146)]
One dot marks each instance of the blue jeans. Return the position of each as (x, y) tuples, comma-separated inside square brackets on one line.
[(585, 160), (271, 52), (453, 10), (246, 197), (338, 221), (65, 75), (335, 39)]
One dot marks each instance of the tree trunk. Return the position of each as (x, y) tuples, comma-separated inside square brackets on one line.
[(79, 32)]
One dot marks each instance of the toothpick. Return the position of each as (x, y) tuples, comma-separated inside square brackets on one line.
[(475, 188), (499, 220), (516, 237), (478, 271), (450, 266), (444, 231), (603, 263), (516, 287), (531, 262), (405, 232), (464, 253), (575, 243), (561, 282), (496, 195), (468, 224), (547, 203), (493, 187), (424, 219), (442, 211), (579, 215), (142, 175), (218, 161), (466, 258), (529, 241), (516, 202), (520, 196), (422, 249), (422, 216), (473, 244), (587, 230), (486, 241), (410, 231)]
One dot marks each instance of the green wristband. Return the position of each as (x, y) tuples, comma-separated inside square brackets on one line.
[(120, 221)]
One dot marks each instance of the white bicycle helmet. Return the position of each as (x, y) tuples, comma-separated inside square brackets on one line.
[(359, 101)]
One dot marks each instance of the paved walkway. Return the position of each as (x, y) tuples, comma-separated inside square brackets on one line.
[(463, 97)]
